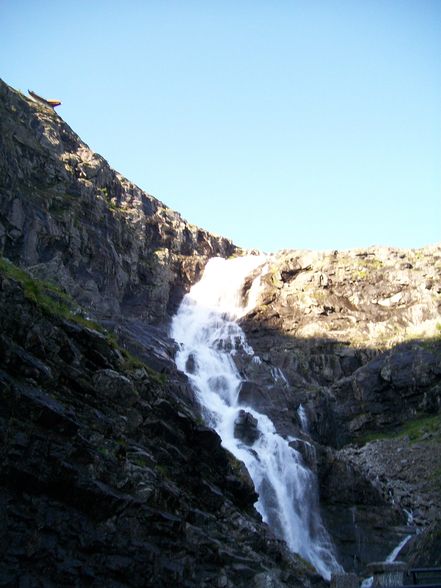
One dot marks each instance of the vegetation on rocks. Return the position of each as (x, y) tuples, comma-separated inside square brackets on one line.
[(46, 295), (417, 430)]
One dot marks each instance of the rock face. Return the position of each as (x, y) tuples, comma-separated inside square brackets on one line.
[(354, 338), (106, 477), (352, 345), (72, 219)]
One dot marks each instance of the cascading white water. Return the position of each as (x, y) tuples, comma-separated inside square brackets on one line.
[(208, 336), (303, 418)]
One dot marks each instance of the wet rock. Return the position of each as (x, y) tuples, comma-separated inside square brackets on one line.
[(246, 427), (363, 523), (424, 550)]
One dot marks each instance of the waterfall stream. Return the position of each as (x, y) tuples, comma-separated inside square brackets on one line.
[(209, 337)]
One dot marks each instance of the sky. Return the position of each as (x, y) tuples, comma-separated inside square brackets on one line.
[(300, 124)]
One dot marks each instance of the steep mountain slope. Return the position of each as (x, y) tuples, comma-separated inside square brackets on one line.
[(66, 214), (107, 474), (108, 477)]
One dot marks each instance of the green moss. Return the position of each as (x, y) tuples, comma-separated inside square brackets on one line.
[(104, 452), (54, 302), (47, 296), (320, 296), (436, 477), (131, 362), (110, 201), (163, 470), (366, 267), (373, 264), (360, 274), (415, 430), (139, 460)]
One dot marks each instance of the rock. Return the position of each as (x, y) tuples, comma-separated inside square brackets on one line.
[(246, 427), (114, 386), (359, 516), (99, 485), (75, 221), (356, 338), (424, 550), (105, 462)]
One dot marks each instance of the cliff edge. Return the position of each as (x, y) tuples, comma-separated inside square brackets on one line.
[(67, 216)]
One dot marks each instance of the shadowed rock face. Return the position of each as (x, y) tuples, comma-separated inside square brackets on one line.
[(71, 218), (106, 477), (356, 335)]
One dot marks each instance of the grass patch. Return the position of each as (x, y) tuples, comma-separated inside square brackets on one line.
[(47, 296), (131, 362), (360, 274), (163, 471), (416, 430), (110, 201), (56, 303), (436, 478)]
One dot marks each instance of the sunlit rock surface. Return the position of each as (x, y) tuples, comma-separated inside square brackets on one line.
[(71, 218)]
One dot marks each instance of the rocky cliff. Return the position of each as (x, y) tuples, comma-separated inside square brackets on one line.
[(354, 337), (108, 476), (67, 216)]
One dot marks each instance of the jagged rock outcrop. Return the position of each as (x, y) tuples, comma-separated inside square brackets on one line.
[(365, 526), (68, 217), (354, 337), (107, 478), (368, 297)]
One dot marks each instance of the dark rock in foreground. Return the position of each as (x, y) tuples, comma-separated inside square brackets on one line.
[(106, 477)]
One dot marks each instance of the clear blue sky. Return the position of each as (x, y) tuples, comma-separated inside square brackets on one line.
[(277, 123)]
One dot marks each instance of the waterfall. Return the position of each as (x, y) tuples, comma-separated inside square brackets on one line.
[(396, 552), (209, 337), (303, 418)]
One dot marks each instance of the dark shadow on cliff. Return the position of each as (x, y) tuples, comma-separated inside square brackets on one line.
[(352, 395), (108, 477)]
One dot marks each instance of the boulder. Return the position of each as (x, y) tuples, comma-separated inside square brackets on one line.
[(246, 427)]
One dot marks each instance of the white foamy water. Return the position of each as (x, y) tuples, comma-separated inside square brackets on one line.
[(368, 582), (209, 337), (303, 418), (396, 552)]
